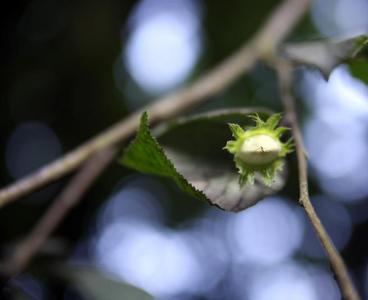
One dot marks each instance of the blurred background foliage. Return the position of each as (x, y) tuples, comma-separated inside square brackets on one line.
[(69, 69)]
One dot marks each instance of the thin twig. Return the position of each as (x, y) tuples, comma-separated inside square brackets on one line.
[(337, 264), (70, 196), (269, 36)]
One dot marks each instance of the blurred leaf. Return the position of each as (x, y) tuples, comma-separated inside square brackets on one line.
[(325, 54), (18, 294), (359, 65), (95, 285), (359, 69), (203, 169)]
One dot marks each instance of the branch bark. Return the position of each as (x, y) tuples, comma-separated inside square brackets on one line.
[(264, 42), (337, 264)]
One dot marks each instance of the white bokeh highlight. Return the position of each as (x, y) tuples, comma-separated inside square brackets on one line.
[(335, 134), (133, 243), (290, 281), (164, 43), (340, 18), (156, 260), (267, 233)]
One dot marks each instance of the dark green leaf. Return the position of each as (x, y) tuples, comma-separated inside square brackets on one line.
[(147, 156), (359, 69), (202, 168)]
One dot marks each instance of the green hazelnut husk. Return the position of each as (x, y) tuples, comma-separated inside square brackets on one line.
[(259, 149)]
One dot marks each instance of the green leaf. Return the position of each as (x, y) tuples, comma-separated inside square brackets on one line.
[(95, 285), (146, 155), (358, 65), (203, 168), (324, 55), (359, 69)]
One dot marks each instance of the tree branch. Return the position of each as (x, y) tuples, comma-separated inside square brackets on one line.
[(70, 196), (264, 42), (337, 264)]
